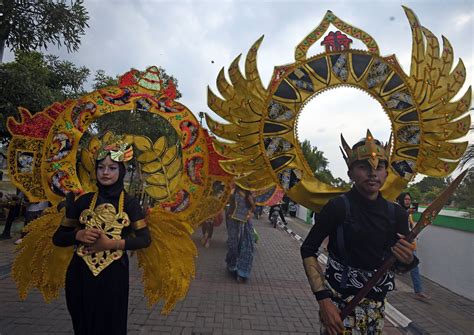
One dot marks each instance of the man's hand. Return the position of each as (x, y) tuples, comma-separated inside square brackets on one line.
[(330, 317), (88, 236), (403, 250)]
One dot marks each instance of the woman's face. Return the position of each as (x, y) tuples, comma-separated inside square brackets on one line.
[(407, 201), (107, 171)]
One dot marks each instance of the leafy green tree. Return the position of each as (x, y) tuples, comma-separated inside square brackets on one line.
[(428, 184), (319, 165), (28, 25), (34, 81), (101, 80), (315, 158), (415, 193), (133, 122), (464, 196)]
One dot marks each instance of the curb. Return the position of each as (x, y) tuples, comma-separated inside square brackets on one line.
[(392, 314)]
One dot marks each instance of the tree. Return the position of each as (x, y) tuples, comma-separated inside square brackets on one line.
[(319, 165), (464, 196), (427, 184), (28, 25), (101, 80), (315, 158), (415, 193), (34, 81), (133, 122), (468, 157)]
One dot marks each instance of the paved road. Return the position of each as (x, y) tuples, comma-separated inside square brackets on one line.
[(276, 300)]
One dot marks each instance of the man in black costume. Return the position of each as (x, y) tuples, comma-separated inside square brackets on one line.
[(364, 229)]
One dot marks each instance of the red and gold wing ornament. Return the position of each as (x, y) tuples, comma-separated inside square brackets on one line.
[(47, 160), (260, 138)]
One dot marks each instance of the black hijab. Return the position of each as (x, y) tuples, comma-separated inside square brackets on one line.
[(401, 199), (108, 192)]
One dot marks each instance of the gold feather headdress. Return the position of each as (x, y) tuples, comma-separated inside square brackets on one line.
[(116, 146), (371, 151)]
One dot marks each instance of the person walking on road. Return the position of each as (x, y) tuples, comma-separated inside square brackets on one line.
[(15, 203), (404, 200), (364, 229), (32, 211), (240, 241), (277, 208), (208, 228)]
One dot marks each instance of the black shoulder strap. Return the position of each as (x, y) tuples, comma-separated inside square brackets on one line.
[(340, 241), (391, 214), (392, 229)]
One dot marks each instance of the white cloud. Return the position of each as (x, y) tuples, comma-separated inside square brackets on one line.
[(463, 20)]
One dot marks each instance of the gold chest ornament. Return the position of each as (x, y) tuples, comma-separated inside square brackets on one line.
[(104, 218)]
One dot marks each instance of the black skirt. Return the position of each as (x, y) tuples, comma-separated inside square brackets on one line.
[(98, 304)]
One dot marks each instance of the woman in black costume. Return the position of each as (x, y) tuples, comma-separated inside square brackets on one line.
[(102, 225)]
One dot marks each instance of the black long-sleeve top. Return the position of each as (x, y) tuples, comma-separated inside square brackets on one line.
[(66, 236), (367, 239)]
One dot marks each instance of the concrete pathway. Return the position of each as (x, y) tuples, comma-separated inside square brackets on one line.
[(275, 300)]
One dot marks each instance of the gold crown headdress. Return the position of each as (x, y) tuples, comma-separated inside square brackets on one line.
[(116, 146), (370, 151)]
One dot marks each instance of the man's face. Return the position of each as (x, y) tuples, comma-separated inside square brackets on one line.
[(368, 180)]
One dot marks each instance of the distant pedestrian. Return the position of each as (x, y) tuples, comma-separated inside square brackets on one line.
[(15, 203), (292, 209), (258, 212), (404, 200), (278, 209), (208, 228), (240, 241), (32, 211)]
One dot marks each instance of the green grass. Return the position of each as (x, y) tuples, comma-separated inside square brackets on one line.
[(464, 224)]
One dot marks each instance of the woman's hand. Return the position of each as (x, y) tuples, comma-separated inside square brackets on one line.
[(330, 317), (403, 250), (103, 243), (88, 236)]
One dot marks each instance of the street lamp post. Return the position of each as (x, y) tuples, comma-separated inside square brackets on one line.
[(201, 116)]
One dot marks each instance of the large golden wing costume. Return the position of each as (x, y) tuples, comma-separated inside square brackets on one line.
[(44, 162), (262, 122)]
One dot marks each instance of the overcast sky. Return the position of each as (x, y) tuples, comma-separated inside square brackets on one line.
[(193, 40)]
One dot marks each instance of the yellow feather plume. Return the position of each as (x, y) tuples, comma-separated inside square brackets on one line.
[(39, 264), (168, 263)]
